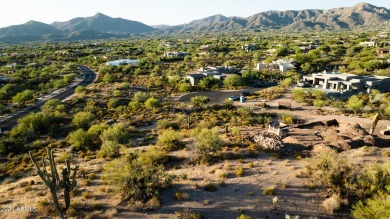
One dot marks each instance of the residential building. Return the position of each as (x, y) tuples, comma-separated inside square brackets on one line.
[(346, 83), (249, 47), (383, 51), (368, 43), (218, 72), (283, 65), (176, 54), (122, 62)]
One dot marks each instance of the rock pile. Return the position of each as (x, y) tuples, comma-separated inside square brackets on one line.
[(268, 141)]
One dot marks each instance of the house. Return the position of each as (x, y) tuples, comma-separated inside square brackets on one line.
[(383, 51), (368, 43), (195, 78), (342, 83), (282, 65), (122, 62), (218, 72), (176, 54), (249, 47)]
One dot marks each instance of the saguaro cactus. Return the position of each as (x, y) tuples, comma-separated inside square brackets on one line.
[(188, 121), (53, 181)]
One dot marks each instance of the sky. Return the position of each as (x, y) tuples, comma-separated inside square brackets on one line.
[(155, 12)]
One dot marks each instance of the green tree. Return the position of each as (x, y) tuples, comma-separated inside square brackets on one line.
[(199, 101), (233, 81), (83, 120), (354, 103), (23, 96)]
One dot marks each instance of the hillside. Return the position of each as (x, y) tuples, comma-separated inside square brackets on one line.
[(362, 15), (104, 24)]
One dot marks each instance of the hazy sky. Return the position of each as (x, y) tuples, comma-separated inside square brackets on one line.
[(152, 12)]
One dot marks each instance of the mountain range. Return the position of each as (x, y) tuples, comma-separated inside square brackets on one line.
[(100, 26)]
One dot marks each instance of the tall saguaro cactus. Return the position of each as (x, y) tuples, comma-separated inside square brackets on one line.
[(53, 181)]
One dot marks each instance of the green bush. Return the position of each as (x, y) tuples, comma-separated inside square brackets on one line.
[(169, 139), (79, 140), (117, 133), (373, 208), (110, 149), (83, 120), (331, 171), (135, 179), (206, 141)]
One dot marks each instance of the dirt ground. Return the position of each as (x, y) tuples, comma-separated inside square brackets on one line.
[(234, 194)]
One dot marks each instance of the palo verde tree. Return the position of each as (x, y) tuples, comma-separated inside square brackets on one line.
[(53, 182)]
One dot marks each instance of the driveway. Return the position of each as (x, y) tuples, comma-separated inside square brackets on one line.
[(216, 97)]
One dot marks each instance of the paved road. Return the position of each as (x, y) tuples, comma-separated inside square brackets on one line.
[(10, 122)]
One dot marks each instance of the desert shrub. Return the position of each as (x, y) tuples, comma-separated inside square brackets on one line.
[(331, 170), (199, 101), (375, 179), (206, 142), (169, 139), (299, 95), (210, 187), (376, 207), (79, 140), (239, 171), (269, 190), (332, 203), (153, 156), (243, 216), (136, 179), (221, 173), (288, 119), (30, 126), (110, 149), (152, 103), (83, 120), (187, 214), (116, 133), (180, 196), (96, 130), (64, 156)]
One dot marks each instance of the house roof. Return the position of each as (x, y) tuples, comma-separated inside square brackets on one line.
[(196, 75)]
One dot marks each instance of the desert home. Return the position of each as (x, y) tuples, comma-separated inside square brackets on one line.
[(218, 72), (283, 65), (122, 62), (345, 82)]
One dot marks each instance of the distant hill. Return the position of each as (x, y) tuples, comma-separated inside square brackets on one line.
[(362, 15), (31, 28), (100, 26), (104, 24)]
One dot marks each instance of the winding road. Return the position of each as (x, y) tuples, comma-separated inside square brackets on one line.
[(12, 120)]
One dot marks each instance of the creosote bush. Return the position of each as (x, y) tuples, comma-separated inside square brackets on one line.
[(137, 177), (170, 139)]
